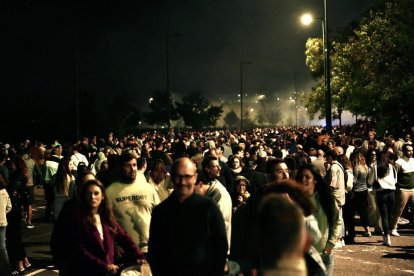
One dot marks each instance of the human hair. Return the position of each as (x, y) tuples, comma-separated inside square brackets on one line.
[(141, 162), (383, 164), (61, 177), (325, 194), (104, 209), (3, 184), (230, 162), (405, 146), (271, 164), (22, 172), (369, 156), (276, 210), (207, 161), (295, 192), (126, 157), (158, 172)]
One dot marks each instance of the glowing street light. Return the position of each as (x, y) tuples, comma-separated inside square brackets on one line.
[(307, 19)]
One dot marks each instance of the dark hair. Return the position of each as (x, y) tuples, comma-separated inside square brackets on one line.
[(158, 172), (383, 164), (141, 162), (61, 176), (126, 157), (274, 211), (207, 160), (295, 192), (2, 183), (271, 164), (21, 173), (325, 195), (104, 210)]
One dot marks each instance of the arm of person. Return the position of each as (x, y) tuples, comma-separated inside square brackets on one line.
[(125, 241), (219, 239)]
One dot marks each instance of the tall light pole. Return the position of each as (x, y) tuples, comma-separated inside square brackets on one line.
[(168, 77), (306, 20), (241, 92)]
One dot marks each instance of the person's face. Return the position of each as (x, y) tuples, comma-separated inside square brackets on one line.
[(129, 170), (71, 166), (184, 179), (236, 163), (408, 152), (214, 169), (371, 136), (373, 156), (280, 172), (308, 182), (58, 151), (330, 145), (94, 196), (241, 187), (361, 159), (407, 138)]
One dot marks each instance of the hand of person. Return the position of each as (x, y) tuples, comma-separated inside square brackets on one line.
[(141, 261), (327, 250), (112, 268)]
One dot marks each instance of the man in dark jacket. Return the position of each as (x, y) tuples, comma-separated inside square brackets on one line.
[(187, 233)]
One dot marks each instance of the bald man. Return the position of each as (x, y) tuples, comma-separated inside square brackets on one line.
[(187, 232)]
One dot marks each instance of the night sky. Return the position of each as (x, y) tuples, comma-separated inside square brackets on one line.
[(122, 46)]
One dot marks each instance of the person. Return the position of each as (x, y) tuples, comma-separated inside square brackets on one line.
[(373, 211), (219, 194), (196, 242), (160, 179), (385, 193), (62, 233), (241, 194), (336, 178), (14, 241), (133, 199), (5, 207), (326, 212), (281, 249), (96, 232), (78, 158), (63, 183), (405, 185), (35, 177)]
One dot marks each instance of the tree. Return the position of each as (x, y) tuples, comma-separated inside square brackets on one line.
[(231, 119), (197, 111), (160, 114), (269, 111), (123, 115), (372, 70)]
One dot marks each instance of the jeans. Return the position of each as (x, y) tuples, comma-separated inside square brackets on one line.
[(385, 202), (4, 258)]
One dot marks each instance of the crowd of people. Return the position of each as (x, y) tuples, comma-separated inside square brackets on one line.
[(207, 203)]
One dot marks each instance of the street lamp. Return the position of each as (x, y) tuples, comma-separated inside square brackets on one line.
[(307, 19), (241, 92), (168, 77)]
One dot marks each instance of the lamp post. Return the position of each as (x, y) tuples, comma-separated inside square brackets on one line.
[(306, 20), (168, 77), (241, 92)]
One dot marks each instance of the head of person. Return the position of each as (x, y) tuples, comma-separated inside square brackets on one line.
[(277, 170), (184, 176), (159, 171), (236, 162), (84, 175), (241, 185), (331, 156), (371, 135), (201, 182), (128, 166), (371, 156), (211, 167), (57, 149), (407, 150), (275, 242), (142, 164)]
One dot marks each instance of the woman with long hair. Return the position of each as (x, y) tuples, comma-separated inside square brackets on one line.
[(14, 241), (96, 232), (325, 210), (64, 186), (360, 189), (385, 193), (161, 180)]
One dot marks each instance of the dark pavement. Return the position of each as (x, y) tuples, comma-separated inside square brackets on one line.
[(367, 257)]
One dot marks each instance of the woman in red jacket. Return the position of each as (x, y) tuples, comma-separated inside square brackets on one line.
[(96, 232)]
